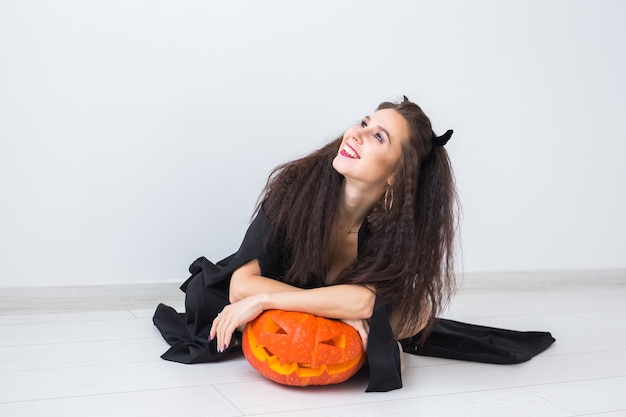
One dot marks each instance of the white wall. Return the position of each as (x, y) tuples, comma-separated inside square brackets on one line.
[(137, 135)]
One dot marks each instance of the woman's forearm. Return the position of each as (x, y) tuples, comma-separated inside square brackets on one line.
[(338, 301), (250, 294)]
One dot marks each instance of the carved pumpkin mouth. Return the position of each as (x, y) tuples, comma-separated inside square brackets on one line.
[(301, 349)]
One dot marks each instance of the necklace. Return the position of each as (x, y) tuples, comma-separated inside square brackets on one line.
[(345, 229)]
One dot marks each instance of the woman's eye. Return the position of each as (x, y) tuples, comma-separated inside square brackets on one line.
[(363, 123), (378, 137)]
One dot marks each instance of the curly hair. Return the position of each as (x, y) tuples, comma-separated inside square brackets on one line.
[(409, 255)]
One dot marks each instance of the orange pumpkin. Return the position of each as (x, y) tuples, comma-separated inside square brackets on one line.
[(300, 349)]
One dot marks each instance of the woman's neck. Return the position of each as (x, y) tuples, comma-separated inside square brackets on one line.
[(354, 205)]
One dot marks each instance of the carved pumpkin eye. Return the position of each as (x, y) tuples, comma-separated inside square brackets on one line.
[(300, 349), (337, 341)]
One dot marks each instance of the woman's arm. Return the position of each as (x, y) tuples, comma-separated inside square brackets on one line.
[(251, 294), (337, 301)]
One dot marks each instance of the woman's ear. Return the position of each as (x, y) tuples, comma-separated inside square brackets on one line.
[(390, 179)]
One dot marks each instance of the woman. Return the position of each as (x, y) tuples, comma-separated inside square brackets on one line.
[(387, 172), (361, 230)]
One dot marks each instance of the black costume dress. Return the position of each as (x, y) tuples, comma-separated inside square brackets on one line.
[(207, 294)]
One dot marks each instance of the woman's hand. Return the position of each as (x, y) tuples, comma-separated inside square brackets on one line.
[(362, 326), (235, 316)]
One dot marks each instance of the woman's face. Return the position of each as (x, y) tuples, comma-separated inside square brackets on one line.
[(371, 149)]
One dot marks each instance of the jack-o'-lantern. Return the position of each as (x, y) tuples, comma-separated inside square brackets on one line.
[(300, 349)]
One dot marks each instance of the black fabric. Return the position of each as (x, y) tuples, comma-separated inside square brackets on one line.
[(383, 355), (207, 294), (470, 342), (188, 333)]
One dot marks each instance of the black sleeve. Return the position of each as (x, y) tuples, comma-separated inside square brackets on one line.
[(207, 294), (261, 242)]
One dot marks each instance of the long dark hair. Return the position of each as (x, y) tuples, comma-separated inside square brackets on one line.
[(408, 257)]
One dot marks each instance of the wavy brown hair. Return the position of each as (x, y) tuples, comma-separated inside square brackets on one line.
[(408, 257)]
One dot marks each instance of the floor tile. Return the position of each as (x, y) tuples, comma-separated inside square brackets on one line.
[(621, 413), (117, 378), (73, 354), (94, 351), (570, 322), (456, 377), (64, 317), (147, 313), (583, 397), (587, 341), (191, 401), (497, 403), (75, 331)]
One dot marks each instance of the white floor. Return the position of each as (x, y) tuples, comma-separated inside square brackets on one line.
[(94, 351)]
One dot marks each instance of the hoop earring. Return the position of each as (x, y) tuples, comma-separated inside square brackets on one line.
[(388, 202)]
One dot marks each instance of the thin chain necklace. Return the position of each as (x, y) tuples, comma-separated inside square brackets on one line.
[(345, 229)]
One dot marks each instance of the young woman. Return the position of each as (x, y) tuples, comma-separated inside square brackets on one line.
[(361, 230), (385, 172)]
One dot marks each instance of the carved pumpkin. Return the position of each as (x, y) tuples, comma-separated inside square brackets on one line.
[(300, 349)]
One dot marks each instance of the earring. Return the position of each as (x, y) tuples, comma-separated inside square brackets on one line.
[(388, 202)]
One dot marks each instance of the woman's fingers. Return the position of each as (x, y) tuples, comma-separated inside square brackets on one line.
[(362, 327), (224, 331), (364, 333), (232, 317), (220, 330)]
